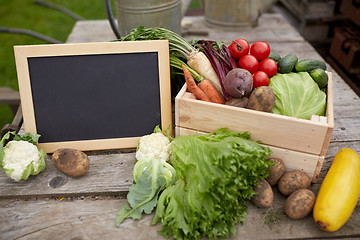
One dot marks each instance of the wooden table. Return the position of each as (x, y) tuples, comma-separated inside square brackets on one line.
[(54, 206)]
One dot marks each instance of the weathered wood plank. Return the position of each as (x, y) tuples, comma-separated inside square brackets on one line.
[(74, 219), (94, 218), (9, 96), (276, 29), (88, 31), (108, 175), (270, 28)]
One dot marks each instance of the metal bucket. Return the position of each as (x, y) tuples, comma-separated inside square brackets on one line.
[(149, 13), (231, 13)]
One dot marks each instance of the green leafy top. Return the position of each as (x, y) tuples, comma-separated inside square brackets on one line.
[(29, 137), (157, 129), (216, 174), (178, 46)]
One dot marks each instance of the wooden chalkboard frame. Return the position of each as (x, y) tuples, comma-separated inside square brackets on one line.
[(23, 53)]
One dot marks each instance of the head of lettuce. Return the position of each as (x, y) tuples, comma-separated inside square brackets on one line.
[(297, 95)]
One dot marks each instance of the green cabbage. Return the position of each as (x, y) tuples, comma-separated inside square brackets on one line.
[(297, 95)]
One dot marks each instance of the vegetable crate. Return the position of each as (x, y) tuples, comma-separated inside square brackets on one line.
[(301, 144)]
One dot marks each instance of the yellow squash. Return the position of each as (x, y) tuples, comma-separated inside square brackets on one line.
[(339, 192)]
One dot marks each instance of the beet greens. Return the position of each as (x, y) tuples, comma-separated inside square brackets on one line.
[(220, 59)]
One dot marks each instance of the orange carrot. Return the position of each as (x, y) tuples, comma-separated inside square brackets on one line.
[(211, 91), (192, 86)]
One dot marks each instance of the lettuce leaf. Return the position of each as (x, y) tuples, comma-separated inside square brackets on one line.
[(297, 95), (216, 174)]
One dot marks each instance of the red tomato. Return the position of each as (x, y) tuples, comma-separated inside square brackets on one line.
[(239, 48), (260, 78), (269, 66), (249, 62), (260, 50)]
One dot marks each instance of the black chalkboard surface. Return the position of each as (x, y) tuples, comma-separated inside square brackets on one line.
[(95, 95)]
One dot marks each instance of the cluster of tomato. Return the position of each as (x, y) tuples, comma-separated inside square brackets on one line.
[(255, 59)]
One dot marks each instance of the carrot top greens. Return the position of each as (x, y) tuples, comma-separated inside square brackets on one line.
[(178, 46)]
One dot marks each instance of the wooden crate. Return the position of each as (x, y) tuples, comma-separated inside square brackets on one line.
[(302, 144)]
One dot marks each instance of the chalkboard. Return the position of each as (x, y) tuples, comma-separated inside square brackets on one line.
[(92, 96)]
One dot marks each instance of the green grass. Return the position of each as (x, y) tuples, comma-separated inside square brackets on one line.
[(27, 14)]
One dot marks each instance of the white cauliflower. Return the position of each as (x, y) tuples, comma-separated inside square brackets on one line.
[(18, 155), (153, 146), (21, 158)]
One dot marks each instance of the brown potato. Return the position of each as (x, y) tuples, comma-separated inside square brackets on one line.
[(238, 102), (262, 99), (276, 171), (292, 181), (72, 162), (266, 195), (300, 203)]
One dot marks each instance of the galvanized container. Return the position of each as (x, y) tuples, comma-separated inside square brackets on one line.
[(149, 13), (232, 13)]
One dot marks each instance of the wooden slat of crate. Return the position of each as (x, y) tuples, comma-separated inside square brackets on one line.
[(287, 132), (293, 160), (312, 137)]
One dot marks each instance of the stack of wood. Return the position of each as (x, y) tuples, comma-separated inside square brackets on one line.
[(312, 17)]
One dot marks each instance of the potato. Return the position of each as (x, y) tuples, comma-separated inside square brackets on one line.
[(262, 99), (238, 102), (300, 203), (266, 195), (72, 162), (276, 171), (292, 181)]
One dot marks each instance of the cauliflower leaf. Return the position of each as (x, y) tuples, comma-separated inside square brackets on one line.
[(143, 195)]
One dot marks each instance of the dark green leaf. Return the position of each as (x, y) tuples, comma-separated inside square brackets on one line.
[(29, 137)]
